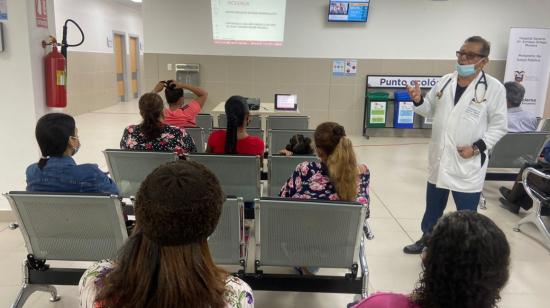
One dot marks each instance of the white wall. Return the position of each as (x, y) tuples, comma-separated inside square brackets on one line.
[(98, 19), (397, 29), (22, 88)]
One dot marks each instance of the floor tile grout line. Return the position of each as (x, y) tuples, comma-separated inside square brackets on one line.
[(392, 215)]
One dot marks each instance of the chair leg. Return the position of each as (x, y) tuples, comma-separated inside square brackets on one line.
[(28, 289), (535, 218)]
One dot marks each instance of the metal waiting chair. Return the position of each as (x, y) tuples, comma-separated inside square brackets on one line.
[(513, 151), (129, 168), (197, 133), (255, 121), (206, 121), (64, 227), (544, 125), (227, 243), (280, 168), (287, 122), (516, 149), (239, 175), (277, 139), (317, 233), (541, 205), (251, 131)]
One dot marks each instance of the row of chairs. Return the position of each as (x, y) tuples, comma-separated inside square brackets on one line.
[(288, 232), (206, 121), (277, 139), (239, 175)]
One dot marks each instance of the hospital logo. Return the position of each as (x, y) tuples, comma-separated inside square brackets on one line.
[(518, 75)]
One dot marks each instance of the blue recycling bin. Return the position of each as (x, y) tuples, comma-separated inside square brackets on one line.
[(403, 116)]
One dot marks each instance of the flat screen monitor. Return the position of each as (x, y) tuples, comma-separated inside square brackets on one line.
[(348, 11), (286, 102)]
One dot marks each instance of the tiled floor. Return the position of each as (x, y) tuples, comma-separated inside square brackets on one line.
[(398, 167)]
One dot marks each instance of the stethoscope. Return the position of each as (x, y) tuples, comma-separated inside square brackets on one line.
[(482, 80)]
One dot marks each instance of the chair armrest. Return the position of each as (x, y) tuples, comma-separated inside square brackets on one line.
[(535, 195)]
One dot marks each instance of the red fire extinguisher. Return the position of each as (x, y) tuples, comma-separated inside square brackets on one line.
[(56, 78)]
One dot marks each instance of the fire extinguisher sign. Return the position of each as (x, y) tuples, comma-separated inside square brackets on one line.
[(41, 13)]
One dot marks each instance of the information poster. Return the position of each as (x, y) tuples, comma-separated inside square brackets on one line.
[(528, 63), (406, 113), (377, 114), (344, 67), (3, 10)]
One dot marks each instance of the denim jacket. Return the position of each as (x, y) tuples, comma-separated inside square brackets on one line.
[(62, 174)]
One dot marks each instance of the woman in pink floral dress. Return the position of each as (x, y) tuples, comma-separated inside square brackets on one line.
[(336, 177), (152, 134)]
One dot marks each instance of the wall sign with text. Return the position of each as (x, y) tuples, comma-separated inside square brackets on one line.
[(395, 81)]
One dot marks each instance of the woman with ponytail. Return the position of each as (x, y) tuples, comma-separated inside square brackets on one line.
[(152, 134), (235, 140), (337, 176), (56, 171)]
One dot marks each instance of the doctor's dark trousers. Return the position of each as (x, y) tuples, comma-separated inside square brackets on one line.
[(436, 201)]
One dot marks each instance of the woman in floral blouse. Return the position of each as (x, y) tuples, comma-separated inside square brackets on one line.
[(152, 134), (336, 177), (166, 261)]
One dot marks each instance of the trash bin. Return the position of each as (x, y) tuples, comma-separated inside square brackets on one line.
[(377, 107), (403, 116)]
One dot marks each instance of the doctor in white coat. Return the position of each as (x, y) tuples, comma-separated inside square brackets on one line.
[(469, 117)]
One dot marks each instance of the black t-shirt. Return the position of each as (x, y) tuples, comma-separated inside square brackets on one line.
[(459, 91)]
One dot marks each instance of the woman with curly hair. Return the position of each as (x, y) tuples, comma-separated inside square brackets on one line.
[(465, 266), (166, 262)]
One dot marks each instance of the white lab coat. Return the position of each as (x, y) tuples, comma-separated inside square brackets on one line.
[(462, 125)]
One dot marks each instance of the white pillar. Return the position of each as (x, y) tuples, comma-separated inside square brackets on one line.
[(22, 93)]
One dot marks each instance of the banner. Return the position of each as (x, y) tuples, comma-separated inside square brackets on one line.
[(528, 63), (390, 81)]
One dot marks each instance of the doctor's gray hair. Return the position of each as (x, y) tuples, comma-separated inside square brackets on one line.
[(485, 45), (514, 93)]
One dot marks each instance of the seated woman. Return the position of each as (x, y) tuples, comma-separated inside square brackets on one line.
[(56, 171), (298, 145), (465, 265), (235, 140), (166, 262), (152, 134), (336, 177)]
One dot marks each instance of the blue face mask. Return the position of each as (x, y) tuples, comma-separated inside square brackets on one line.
[(465, 69)]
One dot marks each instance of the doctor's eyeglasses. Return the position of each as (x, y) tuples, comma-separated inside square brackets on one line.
[(469, 55)]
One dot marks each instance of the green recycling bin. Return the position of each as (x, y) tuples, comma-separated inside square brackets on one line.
[(377, 107)]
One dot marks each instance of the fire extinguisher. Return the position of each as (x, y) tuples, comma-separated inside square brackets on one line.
[(56, 78), (55, 67)]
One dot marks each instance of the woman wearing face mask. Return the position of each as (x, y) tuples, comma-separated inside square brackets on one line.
[(56, 171), (468, 108)]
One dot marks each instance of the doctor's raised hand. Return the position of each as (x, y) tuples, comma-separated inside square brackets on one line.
[(414, 92)]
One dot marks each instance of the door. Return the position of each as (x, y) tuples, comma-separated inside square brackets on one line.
[(134, 56), (118, 43)]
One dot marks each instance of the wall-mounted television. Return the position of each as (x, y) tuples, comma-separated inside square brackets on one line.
[(348, 10)]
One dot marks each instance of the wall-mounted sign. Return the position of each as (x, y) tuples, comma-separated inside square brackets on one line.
[(41, 12), (393, 81), (3, 10), (344, 67), (528, 63)]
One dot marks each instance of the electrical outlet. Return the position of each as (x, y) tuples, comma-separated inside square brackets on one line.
[(169, 66)]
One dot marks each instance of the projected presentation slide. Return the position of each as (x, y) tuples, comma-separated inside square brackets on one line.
[(352, 10), (248, 22)]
